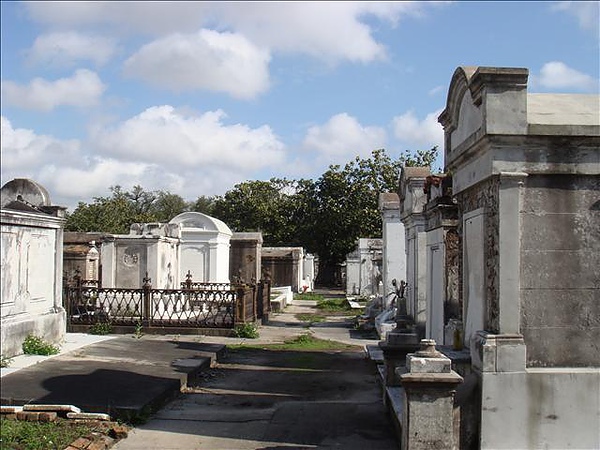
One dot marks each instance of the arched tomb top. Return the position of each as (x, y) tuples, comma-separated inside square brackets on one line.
[(26, 191), (201, 221), (484, 100), (462, 116)]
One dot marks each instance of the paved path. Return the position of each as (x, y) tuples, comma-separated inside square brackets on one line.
[(266, 399)]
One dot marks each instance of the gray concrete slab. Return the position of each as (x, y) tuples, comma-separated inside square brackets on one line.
[(259, 399), (124, 376)]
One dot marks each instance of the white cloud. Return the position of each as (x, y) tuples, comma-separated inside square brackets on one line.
[(436, 90), (342, 138), (153, 18), (189, 156), (167, 137), (586, 13), (418, 134), (22, 150), (557, 75), (89, 179), (67, 48), (83, 89), (205, 60), (330, 31)]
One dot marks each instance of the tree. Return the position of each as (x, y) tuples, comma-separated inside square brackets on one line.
[(112, 214), (264, 206), (116, 213), (203, 204), (344, 205), (167, 205)]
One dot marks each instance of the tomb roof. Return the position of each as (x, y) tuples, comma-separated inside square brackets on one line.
[(416, 172), (25, 191), (199, 220), (563, 109)]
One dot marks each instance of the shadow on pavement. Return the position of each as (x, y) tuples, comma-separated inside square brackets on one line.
[(288, 399)]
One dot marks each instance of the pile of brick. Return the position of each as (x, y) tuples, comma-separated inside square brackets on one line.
[(50, 413)]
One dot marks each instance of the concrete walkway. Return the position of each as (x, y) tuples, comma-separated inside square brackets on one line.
[(265, 399), (248, 399)]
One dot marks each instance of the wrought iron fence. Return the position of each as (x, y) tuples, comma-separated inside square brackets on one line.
[(190, 284), (202, 305)]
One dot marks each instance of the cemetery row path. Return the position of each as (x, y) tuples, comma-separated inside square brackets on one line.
[(260, 398)]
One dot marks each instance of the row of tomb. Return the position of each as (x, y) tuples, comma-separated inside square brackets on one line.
[(502, 250)]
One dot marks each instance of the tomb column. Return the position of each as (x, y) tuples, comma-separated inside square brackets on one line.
[(413, 199), (509, 261), (394, 245), (428, 419), (443, 305)]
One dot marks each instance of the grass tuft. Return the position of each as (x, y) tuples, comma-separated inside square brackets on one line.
[(246, 330), (35, 345), (308, 296), (334, 305), (303, 342)]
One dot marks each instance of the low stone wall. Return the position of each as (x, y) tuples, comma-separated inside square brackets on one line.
[(282, 297)]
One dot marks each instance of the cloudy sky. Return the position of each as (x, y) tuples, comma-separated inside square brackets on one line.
[(194, 97)]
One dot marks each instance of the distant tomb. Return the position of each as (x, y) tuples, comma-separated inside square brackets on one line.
[(205, 243)]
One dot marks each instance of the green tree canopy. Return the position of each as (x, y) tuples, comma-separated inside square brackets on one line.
[(344, 205), (265, 206), (116, 213)]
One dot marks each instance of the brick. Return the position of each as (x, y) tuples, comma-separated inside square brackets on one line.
[(97, 445), (119, 432), (47, 416), (28, 416), (80, 443)]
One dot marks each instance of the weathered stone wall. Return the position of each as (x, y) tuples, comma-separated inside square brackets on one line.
[(284, 265), (560, 275), (549, 408), (244, 256), (483, 196), (30, 291)]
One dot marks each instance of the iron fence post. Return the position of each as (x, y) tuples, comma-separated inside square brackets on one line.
[(146, 298)]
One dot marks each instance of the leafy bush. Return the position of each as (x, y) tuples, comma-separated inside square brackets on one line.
[(35, 345), (101, 328), (246, 330), (5, 361), (139, 330)]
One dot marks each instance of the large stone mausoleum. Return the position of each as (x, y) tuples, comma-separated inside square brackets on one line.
[(503, 251), (31, 288), (525, 173)]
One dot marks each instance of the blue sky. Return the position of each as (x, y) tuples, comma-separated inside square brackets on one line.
[(194, 97)]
